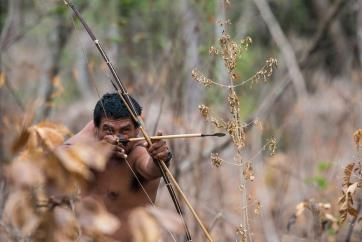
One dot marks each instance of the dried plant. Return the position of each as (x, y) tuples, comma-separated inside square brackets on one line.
[(46, 183), (352, 181), (231, 51)]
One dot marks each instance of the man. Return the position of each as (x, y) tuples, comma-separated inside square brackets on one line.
[(131, 172)]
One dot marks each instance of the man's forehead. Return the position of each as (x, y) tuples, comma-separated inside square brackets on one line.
[(121, 121)]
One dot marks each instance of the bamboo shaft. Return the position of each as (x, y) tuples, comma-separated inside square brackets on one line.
[(207, 234), (175, 136)]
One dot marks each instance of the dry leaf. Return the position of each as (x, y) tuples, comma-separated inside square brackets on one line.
[(19, 213), (357, 136), (144, 226), (25, 173), (94, 218), (347, 175), (2, 79), (345, 202), (80, 158), (352, 188), (248, 171), (67, 226), (257, 208), (300, 208), (20, 141), (58, 87)]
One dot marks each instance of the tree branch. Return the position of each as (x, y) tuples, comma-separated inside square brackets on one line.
[(285, 47), (279, 87)]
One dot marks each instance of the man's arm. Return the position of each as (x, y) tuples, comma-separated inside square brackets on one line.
[(145, 159), (87, 133)]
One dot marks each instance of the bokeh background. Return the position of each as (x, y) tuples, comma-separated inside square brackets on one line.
[(311, 106)]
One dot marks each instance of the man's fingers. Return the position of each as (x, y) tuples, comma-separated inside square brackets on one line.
[(120, 149), (162, 155), (120, 155), (120, 152), (111, 139), (159, 150), (157, 145), (159, 133)]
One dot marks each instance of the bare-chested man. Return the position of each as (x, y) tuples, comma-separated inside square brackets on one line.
[(117, 187)]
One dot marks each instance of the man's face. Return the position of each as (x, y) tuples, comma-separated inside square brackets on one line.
[(117, 127)]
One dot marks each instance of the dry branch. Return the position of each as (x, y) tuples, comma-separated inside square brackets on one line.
[(279, 87), (285, 47)]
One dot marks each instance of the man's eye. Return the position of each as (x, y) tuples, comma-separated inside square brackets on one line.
[(108, 131)]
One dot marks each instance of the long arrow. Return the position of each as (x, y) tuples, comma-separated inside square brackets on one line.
[(173, 136)]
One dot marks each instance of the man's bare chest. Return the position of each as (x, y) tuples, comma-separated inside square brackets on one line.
[(119, 187)]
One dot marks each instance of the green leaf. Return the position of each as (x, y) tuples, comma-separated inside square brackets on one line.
[(324, 166), (321, 182)]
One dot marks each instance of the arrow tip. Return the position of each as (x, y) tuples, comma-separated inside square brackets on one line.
[(219, 134)]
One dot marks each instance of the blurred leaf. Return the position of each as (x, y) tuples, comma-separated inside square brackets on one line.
[(324, 166), (144, 226), (321, 182), (31, 173), (58, 87), (331, 231), (2, 80), (83, 156), (93, 217), (347, 175), (59, 9), (19, 212), (20, 141), (357, 136)]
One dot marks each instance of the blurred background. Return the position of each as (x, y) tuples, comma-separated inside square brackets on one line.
[(311, 106)]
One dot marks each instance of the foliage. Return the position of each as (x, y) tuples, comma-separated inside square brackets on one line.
[(231, 52)]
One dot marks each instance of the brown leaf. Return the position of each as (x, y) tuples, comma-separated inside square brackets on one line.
[(144, 227), (20, 141), (352, 188), (25, 173), (67, 226), (300, 208), (2, 80), (94, 218), (83, 156), (19, 213), (357, 136), (347, 175), (58, 87), (352, 211)]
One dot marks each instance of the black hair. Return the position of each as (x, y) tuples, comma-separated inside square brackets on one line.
[(112, 106)]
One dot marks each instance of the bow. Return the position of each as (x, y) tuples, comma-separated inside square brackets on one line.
[(123, 94)]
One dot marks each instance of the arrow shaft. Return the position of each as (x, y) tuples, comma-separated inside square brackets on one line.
[(175, 136)]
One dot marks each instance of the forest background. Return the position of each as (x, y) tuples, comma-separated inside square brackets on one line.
[(308, 109)]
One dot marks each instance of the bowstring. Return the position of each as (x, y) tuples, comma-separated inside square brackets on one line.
[(94, 85), (148, 197)]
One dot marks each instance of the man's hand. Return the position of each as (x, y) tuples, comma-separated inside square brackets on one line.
[(119, 150), (159, 149)]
